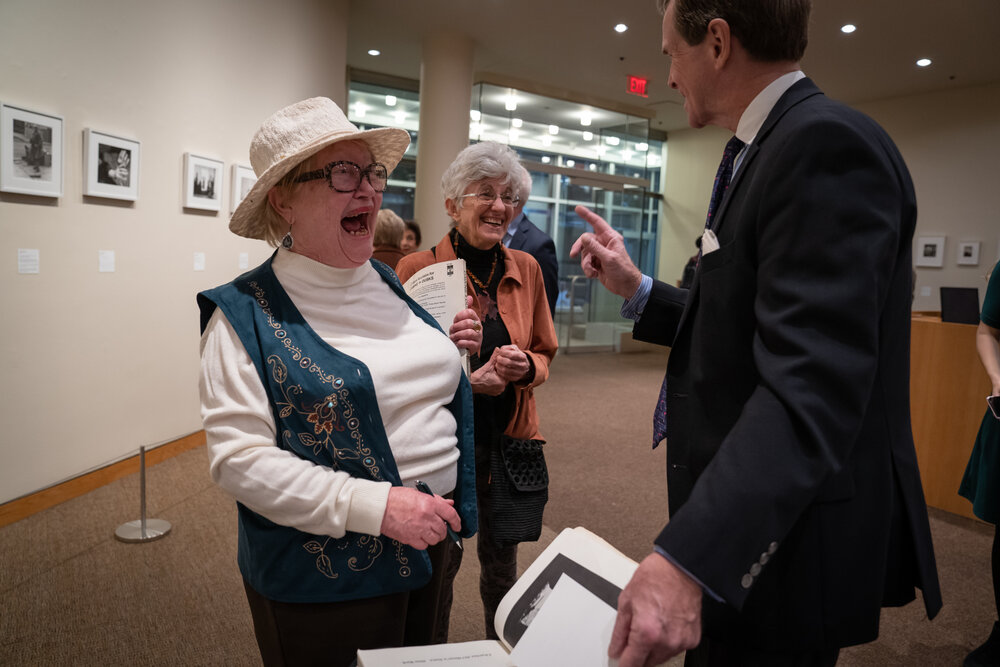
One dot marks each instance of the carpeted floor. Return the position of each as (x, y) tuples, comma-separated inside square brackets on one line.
[(71, 594)]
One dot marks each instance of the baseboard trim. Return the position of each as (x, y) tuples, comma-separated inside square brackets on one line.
[(23, 507)]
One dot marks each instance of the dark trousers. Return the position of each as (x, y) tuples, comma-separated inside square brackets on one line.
[(294, 634), (712, 653)]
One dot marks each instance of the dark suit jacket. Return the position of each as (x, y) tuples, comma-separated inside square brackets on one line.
[(792, 478), (539, 245)]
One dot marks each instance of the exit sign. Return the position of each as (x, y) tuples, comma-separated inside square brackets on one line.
[(637, 86)]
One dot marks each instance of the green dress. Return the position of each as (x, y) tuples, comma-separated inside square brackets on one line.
[(981, 482)]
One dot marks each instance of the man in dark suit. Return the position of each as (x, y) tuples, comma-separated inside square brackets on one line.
[(523, 234), (795, 500)]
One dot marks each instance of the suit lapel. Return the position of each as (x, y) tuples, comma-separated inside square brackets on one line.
[(799, 91), (519, 238)]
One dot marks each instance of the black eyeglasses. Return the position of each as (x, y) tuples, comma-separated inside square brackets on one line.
[(345, 176)]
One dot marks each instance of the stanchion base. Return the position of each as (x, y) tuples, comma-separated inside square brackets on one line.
[(132, 530)]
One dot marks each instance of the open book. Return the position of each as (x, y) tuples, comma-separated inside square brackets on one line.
[(560, 612), (440, 290)]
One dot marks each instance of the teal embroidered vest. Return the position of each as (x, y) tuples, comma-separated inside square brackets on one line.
[(326, 411)]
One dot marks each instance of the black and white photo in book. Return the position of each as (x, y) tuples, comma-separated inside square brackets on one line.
[(523, 611), (202, 182), (31, 152), (110, 166)]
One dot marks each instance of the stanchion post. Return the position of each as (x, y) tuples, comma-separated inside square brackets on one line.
[(142, 529)]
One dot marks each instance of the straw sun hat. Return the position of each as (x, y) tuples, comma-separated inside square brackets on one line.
[(294, 134)]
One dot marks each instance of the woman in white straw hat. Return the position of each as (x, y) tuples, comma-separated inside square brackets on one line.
[(326, 395)]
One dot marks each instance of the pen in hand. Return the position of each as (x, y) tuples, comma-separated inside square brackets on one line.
[(423, 488)]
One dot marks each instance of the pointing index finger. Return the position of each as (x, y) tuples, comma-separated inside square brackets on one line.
[(598, 223)]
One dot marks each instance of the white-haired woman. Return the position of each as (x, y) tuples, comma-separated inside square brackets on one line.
[(519, 342), (320, 418), (388, 238)]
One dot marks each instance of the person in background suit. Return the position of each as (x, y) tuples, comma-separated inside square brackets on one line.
[(523, 234), (796, 510), (687, 276)]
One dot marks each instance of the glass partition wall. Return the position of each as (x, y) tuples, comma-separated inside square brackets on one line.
[(576, 154)]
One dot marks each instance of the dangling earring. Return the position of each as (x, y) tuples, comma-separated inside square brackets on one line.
[(287, 241)]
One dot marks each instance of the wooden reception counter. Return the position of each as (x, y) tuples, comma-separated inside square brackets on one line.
[(948, 388)]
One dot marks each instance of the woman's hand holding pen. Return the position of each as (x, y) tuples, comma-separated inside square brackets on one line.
[(418, 519)]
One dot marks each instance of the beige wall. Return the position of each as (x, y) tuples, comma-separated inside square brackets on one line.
[(97, 364), (950, 142)]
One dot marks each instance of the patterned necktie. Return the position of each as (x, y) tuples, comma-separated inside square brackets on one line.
[(719, 187)]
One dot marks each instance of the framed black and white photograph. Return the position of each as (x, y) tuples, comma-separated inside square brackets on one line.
[(202, 182), (110, 166), (31, 152), (243, 180), (929, 251), (968, 253)]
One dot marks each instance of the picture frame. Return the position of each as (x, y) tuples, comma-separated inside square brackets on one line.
[(203, 182), (968, 253), (110, 166), (31, 152), (243, 179), (929, 251)]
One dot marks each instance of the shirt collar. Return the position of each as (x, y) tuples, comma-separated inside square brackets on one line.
[(512, 228), (756, 112)]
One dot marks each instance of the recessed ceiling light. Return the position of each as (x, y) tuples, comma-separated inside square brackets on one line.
[(642, 147), (546, 159), (586, 118), (511, 103), (475, 114), (612, 141), (848, 29), (360, 110), (570, 163), (553, 129), (374, 52), (516, 122), (588, 136), (621, 27), (390, 100), (546, 140), (924, 62), (400, 116)]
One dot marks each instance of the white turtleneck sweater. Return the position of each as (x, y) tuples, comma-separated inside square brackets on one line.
[(415, 370)]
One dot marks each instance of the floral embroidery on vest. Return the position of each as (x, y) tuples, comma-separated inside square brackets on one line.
[(334, 413)]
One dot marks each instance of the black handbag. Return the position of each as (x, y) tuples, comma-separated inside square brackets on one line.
[(519, 489)]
